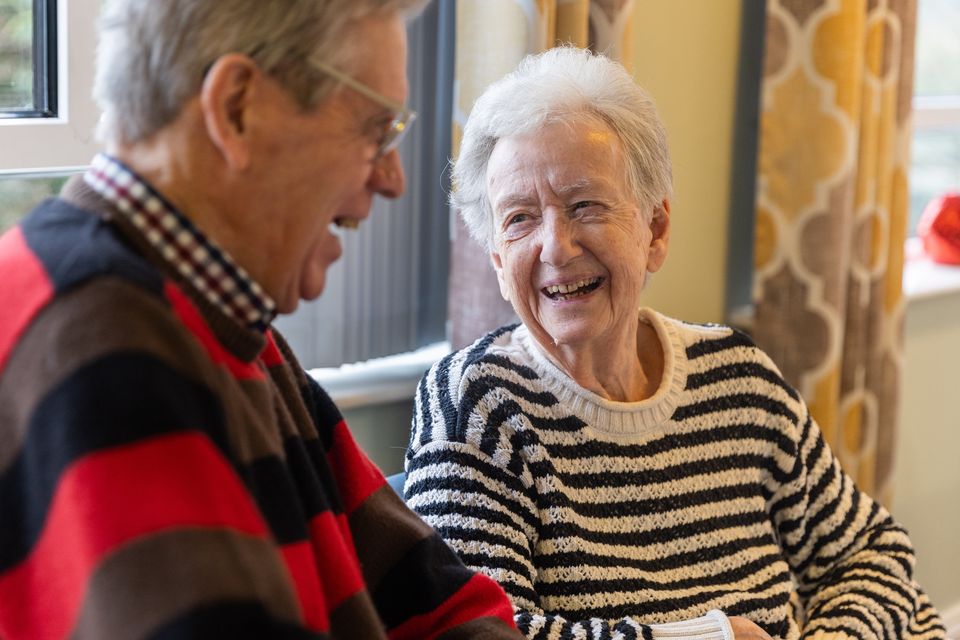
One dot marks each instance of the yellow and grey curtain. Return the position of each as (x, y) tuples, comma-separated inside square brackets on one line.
[(831, 216), (492, 37)]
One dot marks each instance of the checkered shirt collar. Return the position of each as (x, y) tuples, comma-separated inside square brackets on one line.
[(187, 249)]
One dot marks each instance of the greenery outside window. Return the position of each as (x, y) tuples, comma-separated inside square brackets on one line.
[(19, 194)]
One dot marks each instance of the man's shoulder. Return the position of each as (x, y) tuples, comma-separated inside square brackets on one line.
[(63, 246), (73, 282)]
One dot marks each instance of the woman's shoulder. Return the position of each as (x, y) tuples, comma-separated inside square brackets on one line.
[(473, 381), (715, 352), (499, 352), (709, 339)]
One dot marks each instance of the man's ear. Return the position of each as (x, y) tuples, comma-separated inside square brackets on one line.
[(225, 101), (501, 279), (660, 240)]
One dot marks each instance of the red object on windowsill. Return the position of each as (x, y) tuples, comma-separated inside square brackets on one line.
[(939, 229)]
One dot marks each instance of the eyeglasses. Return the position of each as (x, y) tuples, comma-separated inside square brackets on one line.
[(402, 118)]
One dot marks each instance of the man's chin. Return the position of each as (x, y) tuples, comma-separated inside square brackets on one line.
[(311, 289)]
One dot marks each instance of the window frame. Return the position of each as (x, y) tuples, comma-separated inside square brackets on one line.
[(63, 140)]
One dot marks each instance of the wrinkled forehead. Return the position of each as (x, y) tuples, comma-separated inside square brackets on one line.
[(565, 157)]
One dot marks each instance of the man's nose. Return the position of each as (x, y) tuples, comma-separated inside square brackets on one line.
[(387, 177)]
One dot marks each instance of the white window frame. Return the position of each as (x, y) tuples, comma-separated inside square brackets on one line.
[(67, 142), (924, 279)]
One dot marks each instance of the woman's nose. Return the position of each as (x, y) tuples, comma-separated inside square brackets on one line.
[(560, 244)]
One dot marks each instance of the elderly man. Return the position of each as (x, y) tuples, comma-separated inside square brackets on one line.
[(166, 467)]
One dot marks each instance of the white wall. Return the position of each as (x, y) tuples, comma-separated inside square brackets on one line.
[(927, 472), (687, 59)]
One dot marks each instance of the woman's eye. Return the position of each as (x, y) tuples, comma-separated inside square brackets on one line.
[(583, 204), (517, 218)]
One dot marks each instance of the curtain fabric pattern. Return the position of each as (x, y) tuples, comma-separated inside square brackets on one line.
[(831, 216), (492, 36)]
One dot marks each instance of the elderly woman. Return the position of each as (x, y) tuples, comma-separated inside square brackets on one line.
[(621, 473)]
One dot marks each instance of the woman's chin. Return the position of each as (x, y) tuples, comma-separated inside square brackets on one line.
[(567, 337)]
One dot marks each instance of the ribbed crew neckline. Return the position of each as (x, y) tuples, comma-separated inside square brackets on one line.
[(622, 419)]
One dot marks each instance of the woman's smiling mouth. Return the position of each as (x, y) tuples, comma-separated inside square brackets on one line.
[(572, 290)]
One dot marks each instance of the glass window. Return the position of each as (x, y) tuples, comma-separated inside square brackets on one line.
[(28, 58), (935, 163), (16, 54), (19, 194)]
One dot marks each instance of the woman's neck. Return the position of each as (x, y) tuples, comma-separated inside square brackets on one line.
[(628, 370)]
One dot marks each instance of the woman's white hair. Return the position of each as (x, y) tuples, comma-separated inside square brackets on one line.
[(153, 54), (561, 84)]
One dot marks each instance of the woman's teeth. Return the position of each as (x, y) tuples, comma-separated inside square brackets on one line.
[(580, 287)]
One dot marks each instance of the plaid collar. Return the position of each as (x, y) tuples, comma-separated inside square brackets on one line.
[(187, 249)]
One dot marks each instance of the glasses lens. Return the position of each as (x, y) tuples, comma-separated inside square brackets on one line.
[(395, 132)]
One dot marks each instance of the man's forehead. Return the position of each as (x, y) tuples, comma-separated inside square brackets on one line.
[(381, 60)]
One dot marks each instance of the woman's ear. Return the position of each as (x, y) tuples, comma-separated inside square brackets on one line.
[(226, 102), (498, 267), (660, 239)]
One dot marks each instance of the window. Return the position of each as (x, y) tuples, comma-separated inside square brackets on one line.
[(935, 162), (47, 114), (28, 78)]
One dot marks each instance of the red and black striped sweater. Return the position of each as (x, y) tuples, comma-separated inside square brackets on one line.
[(165, 472)]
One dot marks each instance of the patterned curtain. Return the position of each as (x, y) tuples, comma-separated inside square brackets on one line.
[(492, 37), (831, 216)]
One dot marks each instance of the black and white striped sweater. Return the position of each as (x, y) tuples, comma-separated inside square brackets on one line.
[(605, 519)]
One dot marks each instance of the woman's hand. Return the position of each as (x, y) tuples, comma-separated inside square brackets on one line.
[(744, 629)]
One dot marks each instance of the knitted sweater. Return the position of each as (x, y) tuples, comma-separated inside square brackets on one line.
[(602, 518), (165, 472)]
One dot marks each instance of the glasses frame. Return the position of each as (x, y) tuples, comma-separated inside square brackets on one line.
[(402, 118)]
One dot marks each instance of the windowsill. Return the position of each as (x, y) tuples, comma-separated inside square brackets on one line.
[(379, 381), (924, 279)]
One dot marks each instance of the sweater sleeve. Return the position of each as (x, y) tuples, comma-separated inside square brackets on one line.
[(483, 506), (853, 562), (420, 588)]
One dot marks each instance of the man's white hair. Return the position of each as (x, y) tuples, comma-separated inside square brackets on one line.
[(561, 84), (153, 54)]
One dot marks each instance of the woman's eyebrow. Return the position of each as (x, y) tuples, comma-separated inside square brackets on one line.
[(573, 188), (511, 200)]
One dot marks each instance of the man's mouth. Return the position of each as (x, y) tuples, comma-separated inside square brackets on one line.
[(346, 223), (572, 290)]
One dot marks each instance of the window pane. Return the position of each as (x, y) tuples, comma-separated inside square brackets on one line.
[(935, 167), (16, 55), (19, 195), (938, 48)]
